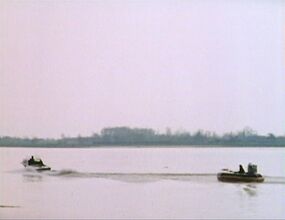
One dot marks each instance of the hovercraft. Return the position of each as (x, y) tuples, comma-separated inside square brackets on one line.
[(35, 163), (241, 176)]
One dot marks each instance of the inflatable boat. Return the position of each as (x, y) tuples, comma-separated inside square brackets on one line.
[(241, 176), (35, 164)]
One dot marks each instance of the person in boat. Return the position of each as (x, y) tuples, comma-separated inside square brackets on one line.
[(241, 170), (32, 161)]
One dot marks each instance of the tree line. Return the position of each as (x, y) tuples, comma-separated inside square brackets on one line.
[(126, 136)]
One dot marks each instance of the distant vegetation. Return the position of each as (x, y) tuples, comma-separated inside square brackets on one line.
[(125, 136)]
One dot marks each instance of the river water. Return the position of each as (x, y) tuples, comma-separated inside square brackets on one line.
[(132, 183)]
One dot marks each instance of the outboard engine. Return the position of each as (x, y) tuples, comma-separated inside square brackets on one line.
[(252, 169)]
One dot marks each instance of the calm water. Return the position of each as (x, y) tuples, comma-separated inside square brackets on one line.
[(140, 183)]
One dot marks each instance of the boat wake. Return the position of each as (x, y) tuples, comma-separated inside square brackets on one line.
[(274, 180), (141, 177), (137, 177)]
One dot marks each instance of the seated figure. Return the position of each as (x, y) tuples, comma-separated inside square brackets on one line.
[(32, 161), (241, 170)]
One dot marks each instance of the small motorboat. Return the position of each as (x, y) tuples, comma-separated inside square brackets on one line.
[(35, 163), (241, 176)]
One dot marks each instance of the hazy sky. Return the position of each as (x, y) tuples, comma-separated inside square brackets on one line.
[(75, 67)]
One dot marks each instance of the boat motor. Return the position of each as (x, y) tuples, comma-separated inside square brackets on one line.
[(252, 168)]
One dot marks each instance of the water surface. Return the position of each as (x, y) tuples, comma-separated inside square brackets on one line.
[(140, 183)]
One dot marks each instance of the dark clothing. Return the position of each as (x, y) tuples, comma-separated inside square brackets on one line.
[(32, 161), (241, 170)]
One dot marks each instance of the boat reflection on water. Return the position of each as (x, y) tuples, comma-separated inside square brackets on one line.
[(250, 190), (241, 176), (28, 177)]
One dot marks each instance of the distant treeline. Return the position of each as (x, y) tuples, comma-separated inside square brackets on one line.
[(125, 136)]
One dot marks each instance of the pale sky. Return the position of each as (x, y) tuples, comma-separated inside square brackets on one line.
[(75, 67)]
